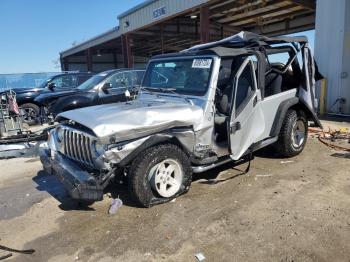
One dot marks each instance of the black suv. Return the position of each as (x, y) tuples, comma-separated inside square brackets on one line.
[(63, 82), (103, 88)]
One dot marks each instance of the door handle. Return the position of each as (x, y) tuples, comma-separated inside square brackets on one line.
[(235, 127)]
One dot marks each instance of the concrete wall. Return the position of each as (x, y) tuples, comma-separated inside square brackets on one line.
[(332, 51)]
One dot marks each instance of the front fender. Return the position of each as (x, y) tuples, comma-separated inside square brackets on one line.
[(123, 153), (26, 98)]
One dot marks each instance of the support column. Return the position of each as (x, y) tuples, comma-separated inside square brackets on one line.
[(204, 24), (89, 60), (162, 37), (126, 49), (115, 59), (64, 66)]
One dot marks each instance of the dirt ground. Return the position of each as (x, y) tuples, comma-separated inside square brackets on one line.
[(283, 210)]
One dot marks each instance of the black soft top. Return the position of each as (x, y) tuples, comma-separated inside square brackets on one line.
[(238, 44)]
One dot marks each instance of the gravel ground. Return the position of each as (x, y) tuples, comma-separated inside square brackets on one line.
[(283, 210)]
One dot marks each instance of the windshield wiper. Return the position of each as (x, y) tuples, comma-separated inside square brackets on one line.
[(170, 90), (148, 89)]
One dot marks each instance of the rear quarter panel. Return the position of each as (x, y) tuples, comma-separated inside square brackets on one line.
[(269, 108)]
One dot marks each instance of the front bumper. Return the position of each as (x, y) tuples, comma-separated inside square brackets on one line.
[(80, 184)]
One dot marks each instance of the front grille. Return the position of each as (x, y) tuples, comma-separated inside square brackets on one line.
[(77, 146)]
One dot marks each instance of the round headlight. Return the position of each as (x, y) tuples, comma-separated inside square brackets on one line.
[(59, 132), (99, 148)]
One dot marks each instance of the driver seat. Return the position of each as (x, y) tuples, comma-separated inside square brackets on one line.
[(273, 84)]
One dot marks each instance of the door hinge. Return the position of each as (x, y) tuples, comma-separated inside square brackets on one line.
[(235, 127)]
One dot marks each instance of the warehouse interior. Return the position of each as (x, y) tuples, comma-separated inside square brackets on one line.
[(209, 22), (163, 26)]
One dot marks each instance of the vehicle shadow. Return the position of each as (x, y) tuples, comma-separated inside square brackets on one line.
[(268, 152), (115, 190), (210, 177), (53, 186)]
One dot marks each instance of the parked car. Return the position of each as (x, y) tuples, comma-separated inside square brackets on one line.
[(103, 88), (26, 96), (197, 110)]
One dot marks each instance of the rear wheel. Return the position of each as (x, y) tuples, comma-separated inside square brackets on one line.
[(159, 174), (31, 113), (293, 134)]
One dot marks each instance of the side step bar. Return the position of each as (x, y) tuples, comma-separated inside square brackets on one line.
[(255, 147), (200, 169)]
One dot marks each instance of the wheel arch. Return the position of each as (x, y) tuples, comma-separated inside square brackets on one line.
[(155, 140), (28, 101), (296, 104)]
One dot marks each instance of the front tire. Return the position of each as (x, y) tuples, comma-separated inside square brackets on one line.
[(31, 113), (159, 174), (293, 134)]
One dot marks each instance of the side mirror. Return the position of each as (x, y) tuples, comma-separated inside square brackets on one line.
[(105, 87), (51, 86)]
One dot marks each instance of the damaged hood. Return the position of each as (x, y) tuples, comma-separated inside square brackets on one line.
[(135, 119)]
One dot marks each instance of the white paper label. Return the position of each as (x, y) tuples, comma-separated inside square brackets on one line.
[(201, 63)]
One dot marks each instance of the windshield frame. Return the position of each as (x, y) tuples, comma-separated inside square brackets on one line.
[(163, 90)]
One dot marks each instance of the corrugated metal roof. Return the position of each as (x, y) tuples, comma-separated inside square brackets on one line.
[(135, 8), (99, 39)]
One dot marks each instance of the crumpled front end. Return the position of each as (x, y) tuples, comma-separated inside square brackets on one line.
[(79, 183), (132, 120)]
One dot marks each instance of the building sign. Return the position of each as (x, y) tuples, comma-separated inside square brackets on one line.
[(159, 12)]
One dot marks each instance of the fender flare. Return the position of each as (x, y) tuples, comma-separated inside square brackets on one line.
[(284, 107), (280, 115), (152, 141)]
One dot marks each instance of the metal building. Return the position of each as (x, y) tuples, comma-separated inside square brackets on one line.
[(159, 26)]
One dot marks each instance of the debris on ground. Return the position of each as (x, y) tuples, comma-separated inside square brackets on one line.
[(173, 201), (116, 204), (335, 139), (200, 257), (287, 162), (268, 175), (6, 256), (11, 250)]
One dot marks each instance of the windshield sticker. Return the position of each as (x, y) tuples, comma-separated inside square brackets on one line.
[(201, 63)]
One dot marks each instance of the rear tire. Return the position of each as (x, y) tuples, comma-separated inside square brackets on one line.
[(159, 174), (31, 113), (293, 134)]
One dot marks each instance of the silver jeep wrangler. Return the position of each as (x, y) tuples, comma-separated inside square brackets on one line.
[(196, 110)]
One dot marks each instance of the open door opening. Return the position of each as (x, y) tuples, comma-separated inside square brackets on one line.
[(246, 123)]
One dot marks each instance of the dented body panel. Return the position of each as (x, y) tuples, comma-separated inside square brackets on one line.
[(104, 140)]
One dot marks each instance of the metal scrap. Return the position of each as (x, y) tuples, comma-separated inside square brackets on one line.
[(116, 204), (329, 137), (200, 257)]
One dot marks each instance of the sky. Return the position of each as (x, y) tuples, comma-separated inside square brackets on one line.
[(33, 32)]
